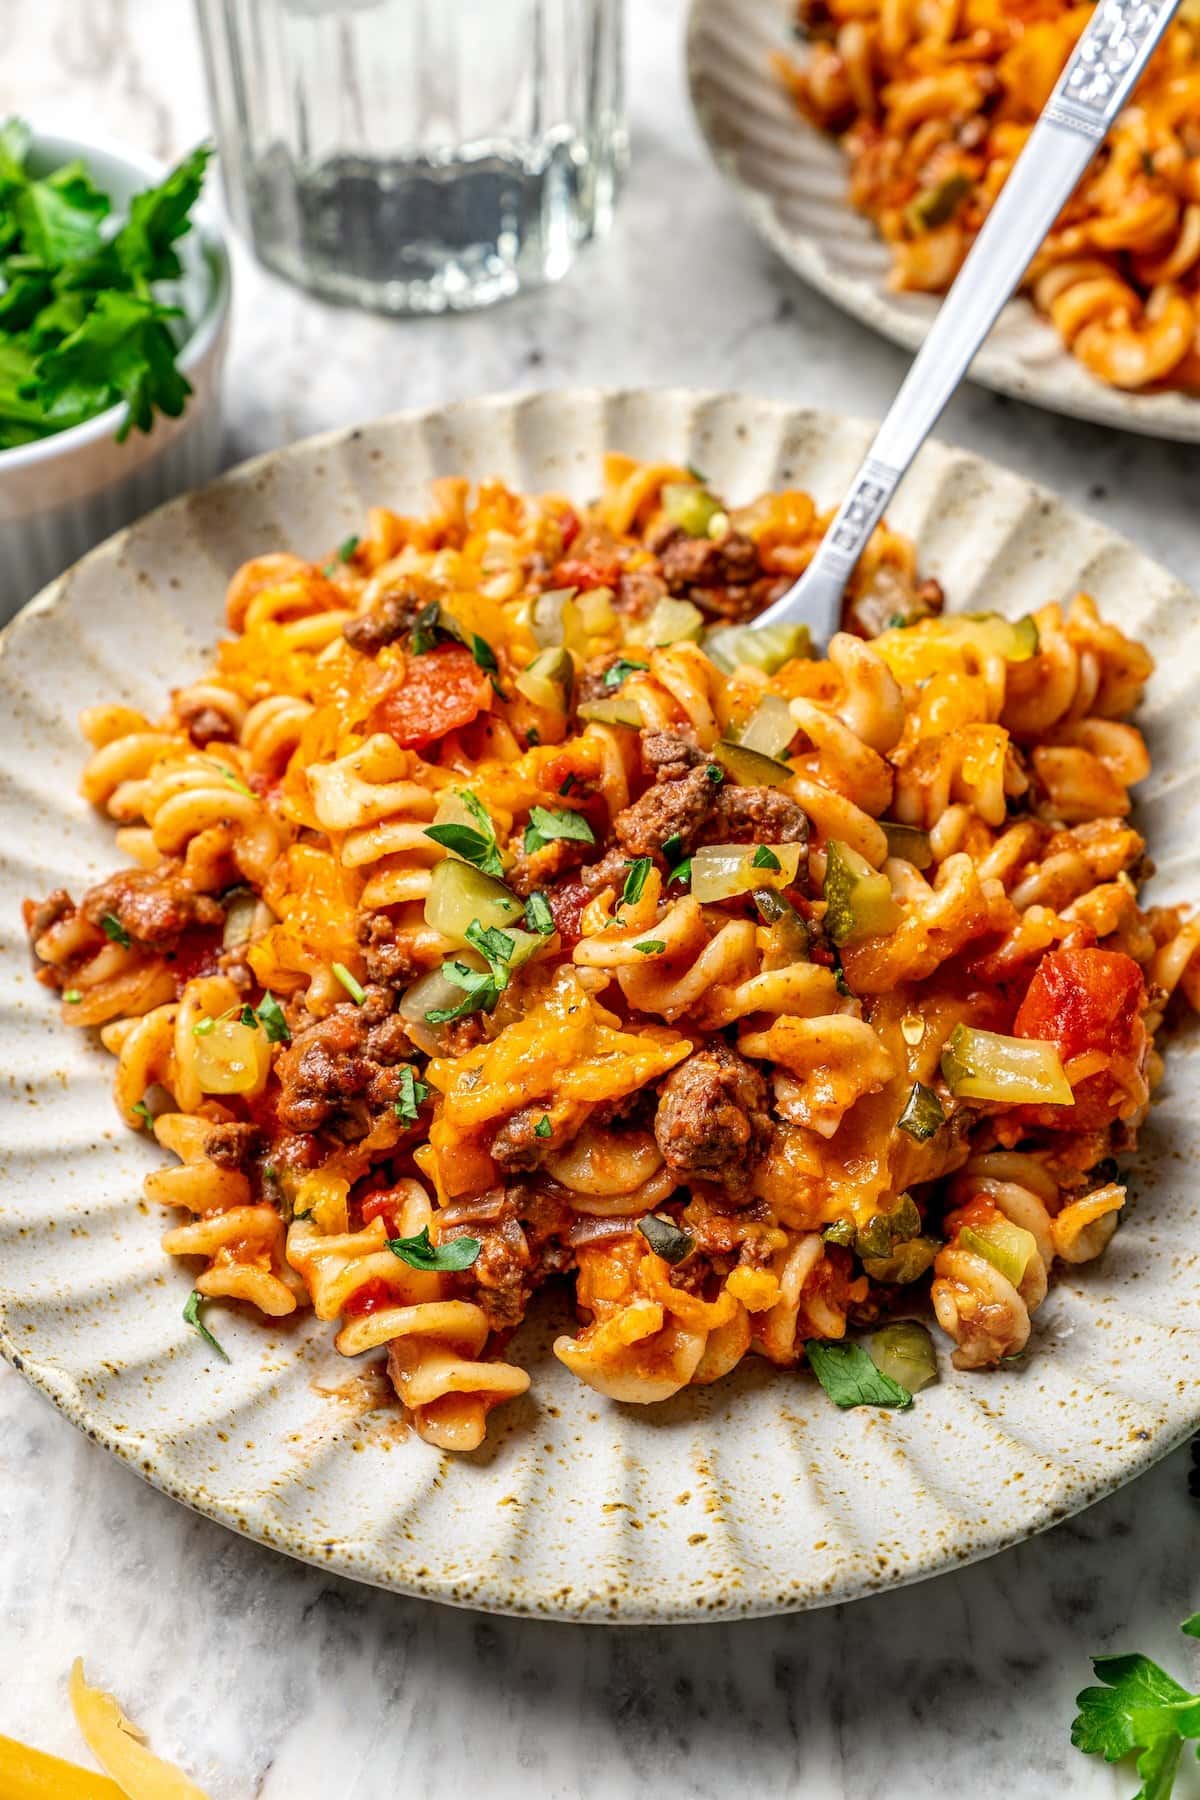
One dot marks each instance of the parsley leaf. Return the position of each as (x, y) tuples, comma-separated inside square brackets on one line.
[(270, 1017), (347, 547), (548, 823), (480, 993), (764, 858), (495, 947), (72, 996), (142, 1111), (412, 1093), (1140, 1707), (715, 773), (682, 873), (477, 847), (423, 635), (538, 915), (543, 1128), (419, 1253), (650, 947), (620, 670), (672, 846), (850, 1378), (635, 881), (114, 931), (665, 1237), (191, 1316)]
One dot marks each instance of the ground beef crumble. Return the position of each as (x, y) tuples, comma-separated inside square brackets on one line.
[(712, 1119)]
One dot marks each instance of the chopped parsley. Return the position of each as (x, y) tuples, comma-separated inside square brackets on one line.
[(423, 635), (567, 785), (204, 1027), (850, 1378), (619, 671), (412, 1093), (538, 915), (143, 1111), (476, 846), (496, 948), (543, 1128), (353, 987), (480, 993), (419, 1253), (231, 780), (923, 1114), (1140, 1707), (72, 996), (191, 1316), (485, 657), (548, 823), (650, 947), (269, 1014), (635, 881), (665, 1237), (764, 858), (347, 547), (715, 774), (672, 846), (114, 931), (682, 872)]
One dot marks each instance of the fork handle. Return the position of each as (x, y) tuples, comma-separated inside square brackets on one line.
[(1091, 91)]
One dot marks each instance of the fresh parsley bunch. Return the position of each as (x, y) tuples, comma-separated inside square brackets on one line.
[(1142, 1708), (80, 326)]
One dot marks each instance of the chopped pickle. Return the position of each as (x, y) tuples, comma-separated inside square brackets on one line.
[(787, 934), (232, 1058), (1016, 640), (984, 1065), (690, 507), (594, 610), (908, 844), (549, 680), (674, 622), (546, 616), (617, 709), (938, 204), (459, 894), (765, 647), (905, 1352), (770, 728), (858, 898), (906, 1261), (749, 768), (1006, 1246), (884, 1230), (721, 871), (923, 1114), (842, 1231)]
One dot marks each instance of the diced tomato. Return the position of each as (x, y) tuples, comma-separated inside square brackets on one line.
[(1083, 1000), (195, 954), (371, 1297), (568, 520), (441, 691), (590, 572), (567, 901), (382, 1206)]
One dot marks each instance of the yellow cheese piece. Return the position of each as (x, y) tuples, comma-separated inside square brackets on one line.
[(27, 1774), (118, 1744)]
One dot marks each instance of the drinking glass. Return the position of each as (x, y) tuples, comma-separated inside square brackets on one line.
[(415, 155)]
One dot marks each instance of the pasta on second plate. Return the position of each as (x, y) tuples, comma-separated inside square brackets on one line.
[(503, 909), (933, 101)]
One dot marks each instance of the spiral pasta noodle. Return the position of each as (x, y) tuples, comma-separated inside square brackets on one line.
[(502, 910), (933, 105)]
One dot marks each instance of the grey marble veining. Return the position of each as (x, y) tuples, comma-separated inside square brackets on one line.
[(269, 1679)]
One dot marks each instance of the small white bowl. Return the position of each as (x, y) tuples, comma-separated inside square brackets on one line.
[(62, 494)]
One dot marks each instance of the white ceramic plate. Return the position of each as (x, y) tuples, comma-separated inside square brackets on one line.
[(754, 1496), (791, 181)]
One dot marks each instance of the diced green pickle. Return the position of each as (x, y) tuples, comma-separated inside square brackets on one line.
[(904, 1351), (689, 506), (459, 893), (1006, 1246), (923, 1114), (908, 844), (770, 728), (765, 647), (749, 768), (858, 898), (905, 1262), (674, 622), (984, 1065)]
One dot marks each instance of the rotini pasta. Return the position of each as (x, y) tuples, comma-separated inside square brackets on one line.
[(503, 908), (933, 101)]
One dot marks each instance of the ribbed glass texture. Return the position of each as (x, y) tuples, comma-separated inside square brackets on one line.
[(415, 155)]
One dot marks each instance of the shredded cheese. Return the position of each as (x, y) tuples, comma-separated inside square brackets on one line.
[(119, 1746)]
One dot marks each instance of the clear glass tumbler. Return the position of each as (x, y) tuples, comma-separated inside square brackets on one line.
[(414, 155)]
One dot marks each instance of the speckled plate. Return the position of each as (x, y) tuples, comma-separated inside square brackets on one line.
[(754, 1496), (791, 181)]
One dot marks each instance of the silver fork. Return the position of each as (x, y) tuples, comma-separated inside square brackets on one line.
[(1093, 88)]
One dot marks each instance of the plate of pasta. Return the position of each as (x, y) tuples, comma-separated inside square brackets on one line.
[(618, 1115), (866, 142)]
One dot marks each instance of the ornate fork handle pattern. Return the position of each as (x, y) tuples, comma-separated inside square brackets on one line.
[(1091, 91)]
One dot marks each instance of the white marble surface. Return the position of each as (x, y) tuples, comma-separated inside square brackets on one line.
[(272, 1680)]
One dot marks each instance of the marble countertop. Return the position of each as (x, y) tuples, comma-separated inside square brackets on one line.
[(273, 1680)]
